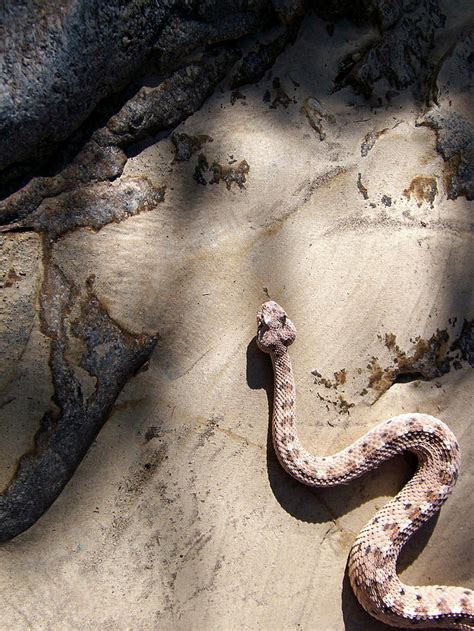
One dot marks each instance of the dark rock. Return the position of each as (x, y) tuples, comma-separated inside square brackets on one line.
[(254, 65), (362, 189), (61, 59), (111, 355), (201, 167), (455, 142), (399, 56), (161, 108), (181, 36), (289, 10), (94, 163), (226, 173), (94, 206), (279, 95), (465, 342), (186, 145)]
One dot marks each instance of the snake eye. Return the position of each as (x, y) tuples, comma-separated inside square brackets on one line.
[(283, 318)]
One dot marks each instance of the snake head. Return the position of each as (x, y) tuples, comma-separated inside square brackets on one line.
[(275, 329)]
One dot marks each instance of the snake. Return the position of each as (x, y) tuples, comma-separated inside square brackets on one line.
[(372, 563)]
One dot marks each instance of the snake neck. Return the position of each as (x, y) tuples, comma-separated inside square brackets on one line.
[(286, 443), (308, 469)]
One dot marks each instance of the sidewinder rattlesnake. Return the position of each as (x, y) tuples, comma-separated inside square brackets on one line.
[(373, 557)]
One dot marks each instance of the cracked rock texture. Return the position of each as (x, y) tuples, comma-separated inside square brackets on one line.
[(69, 55), (341, 209)]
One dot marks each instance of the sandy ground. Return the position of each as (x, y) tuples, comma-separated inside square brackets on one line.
[(180, 517)]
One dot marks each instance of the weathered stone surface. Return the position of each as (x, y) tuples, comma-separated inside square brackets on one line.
[(157, 109), (398, 54), (25, 383), (20, 277), (110, 356), (94, 163), (68, 56), (63, 60), (94, 206), (255, 63), (180, 516), (450, 118)]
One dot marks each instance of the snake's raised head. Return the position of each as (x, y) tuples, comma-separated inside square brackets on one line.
[(275, 329)]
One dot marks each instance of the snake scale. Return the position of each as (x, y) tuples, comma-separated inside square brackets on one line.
[(373, 558)]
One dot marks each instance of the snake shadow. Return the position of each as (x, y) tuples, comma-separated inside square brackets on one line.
[(325, 505)]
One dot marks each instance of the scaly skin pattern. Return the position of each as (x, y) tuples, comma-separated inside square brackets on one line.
[(373, 557)]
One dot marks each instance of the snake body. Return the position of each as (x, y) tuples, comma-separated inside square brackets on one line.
[(373, 557)]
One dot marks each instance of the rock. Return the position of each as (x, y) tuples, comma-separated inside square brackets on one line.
[(76, 54), (20, 260), (454, 130), (179, 503), (79, 53), (94, 206), (93, 163), (110, 356), (398, 56), (158, 109)]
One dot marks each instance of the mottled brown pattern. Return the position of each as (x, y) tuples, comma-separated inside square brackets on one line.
[(414, 514), (398, 604), (443, 606), (431, 495), (392, 530), (373, 558), (444, 476), (465, 605), (422, 610), (415, 426)]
